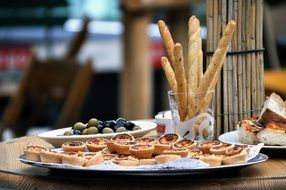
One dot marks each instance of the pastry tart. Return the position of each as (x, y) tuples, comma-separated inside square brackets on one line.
[(126, 161), (122, 147), (141, 150), (183, 152), (164, 158), (237, 154), (97, 158), (72, 158), (185, 143), (145, 141), (109, 156), (205, 146), (74, 146), (96, 144), (211, 159), (165, 142), (148, 161), (124, 137), (33, 152), (49, 156), (221, 149), (195, 153)]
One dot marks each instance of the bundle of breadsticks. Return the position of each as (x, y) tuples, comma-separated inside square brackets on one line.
[(192, 88)]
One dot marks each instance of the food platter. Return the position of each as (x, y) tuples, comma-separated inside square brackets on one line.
[(232, 137), (56, 138), (139, 171)]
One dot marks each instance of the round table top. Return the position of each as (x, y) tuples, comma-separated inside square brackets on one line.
[(14, 174)]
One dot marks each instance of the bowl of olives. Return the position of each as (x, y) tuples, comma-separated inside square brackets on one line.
[(97, 128)]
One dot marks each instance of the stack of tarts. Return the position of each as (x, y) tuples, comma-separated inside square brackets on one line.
[(125, 150)]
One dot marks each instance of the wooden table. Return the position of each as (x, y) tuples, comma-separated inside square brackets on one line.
[(16, 175)]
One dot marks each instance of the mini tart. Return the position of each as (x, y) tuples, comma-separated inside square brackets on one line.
[(165, 142), (96, 144), (72, 158), (148, 161), (195, 153), (159, 148), (97, 158), (183, 152), (220, 150), (205, 146), (74, 146), (122, 148), (33, 152), (49, 156), (145, 141), (124, 137), (185, 143), (169, 139), (211, 159), (141, 150), (164, 158), (126, 161), (237, 154), (108, 157)]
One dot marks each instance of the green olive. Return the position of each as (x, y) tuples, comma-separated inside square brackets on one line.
[(79, 126), (107, 130), (92, 122), (68, 133), (92, 130), (121, 129), (136, 128), (84, 132)]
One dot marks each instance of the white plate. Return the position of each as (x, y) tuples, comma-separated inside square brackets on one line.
[(56, 138), (232, 137), (155, 171)]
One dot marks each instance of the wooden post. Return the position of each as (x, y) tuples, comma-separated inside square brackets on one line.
[(136, 76)]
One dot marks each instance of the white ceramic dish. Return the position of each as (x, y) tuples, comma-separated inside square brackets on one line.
[(56, 138), (232, 137)]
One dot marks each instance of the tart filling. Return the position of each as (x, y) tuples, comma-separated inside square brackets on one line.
[(221, 149), (96, 144), (74, 146), (205, 147), (190, 144)]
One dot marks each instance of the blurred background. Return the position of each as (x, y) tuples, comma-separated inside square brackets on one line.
[(92, 52)]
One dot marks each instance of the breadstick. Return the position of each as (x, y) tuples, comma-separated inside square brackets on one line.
[(167, 40), (193, 53), (200, 67), (209, 79), (193, 58), (170, 75), (181, 81)]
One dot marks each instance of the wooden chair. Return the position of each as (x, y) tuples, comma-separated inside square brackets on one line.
[(50, 92)]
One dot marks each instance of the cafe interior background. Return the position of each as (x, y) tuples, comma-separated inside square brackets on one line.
[(91, 32)]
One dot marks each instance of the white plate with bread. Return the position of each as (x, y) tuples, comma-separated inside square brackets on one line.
[(233, 137), (268, 128)]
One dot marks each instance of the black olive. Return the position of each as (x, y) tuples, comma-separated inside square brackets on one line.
[(120, 122), (129, 125), (109, 123), (100, 127), (76, 132)]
